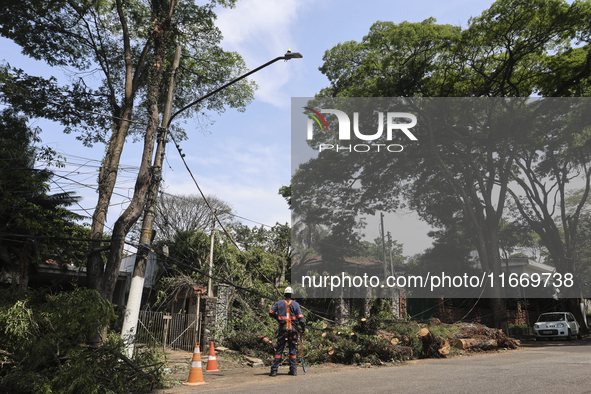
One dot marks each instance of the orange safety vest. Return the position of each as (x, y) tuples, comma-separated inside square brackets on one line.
[(288, 315)]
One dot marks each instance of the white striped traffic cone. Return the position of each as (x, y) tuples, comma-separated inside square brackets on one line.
[(196, 373), (212, 363)]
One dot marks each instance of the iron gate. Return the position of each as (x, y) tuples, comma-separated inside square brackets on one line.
[(175, 331)]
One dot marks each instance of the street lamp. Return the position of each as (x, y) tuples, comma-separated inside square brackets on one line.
[(139, 272), (288, 55)]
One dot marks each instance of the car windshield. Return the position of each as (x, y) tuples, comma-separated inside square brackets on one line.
[(552, 317)]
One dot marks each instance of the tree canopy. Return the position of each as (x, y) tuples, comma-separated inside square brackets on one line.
[(468, 151), (128, 47), (34, 224)]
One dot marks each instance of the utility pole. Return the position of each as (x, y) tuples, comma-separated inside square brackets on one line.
[(137, 283), (139, 272), (383, 245), (209, 289), (390, 248)]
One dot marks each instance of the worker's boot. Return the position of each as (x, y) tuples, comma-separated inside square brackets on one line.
[(273, 374), (294, 373)]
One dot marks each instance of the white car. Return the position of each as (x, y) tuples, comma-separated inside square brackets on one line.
[(557, 325)]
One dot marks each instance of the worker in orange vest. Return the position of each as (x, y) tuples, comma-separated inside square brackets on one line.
[(287, 312)]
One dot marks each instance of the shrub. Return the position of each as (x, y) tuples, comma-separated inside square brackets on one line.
[(44, 338)]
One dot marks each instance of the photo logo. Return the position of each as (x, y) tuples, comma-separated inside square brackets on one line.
[(392, 124), (317, 117)]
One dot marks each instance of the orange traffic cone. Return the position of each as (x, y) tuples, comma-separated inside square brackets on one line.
[(212, 363), (196, 373)]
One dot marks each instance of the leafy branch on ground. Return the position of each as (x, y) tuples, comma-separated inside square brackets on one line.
[(43, 346)]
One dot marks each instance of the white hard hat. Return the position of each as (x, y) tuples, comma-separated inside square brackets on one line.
[(288, 290)]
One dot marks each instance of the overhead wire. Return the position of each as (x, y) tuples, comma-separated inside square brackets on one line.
[(213, 211), (180, 153)]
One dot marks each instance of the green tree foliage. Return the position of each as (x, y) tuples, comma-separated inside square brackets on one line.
[(516, 48), (111, 39), (375, 250), (43, 349), (33, 223), (128, 47), (257, 272)]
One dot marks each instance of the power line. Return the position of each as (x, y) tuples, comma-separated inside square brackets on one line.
[(172, 136), (131, 121), (213, 212)]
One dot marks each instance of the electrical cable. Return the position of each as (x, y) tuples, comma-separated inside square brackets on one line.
[(213, 212)]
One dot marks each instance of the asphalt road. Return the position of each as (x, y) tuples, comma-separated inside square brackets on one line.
[(546, 367)]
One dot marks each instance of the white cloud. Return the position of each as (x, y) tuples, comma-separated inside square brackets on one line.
[(261, 30)]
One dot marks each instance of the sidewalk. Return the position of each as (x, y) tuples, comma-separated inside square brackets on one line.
[(234, 374)]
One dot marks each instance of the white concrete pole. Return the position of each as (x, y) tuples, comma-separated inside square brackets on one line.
[(136, 290)]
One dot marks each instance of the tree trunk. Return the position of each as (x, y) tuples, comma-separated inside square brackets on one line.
[(106, 182), (386, 352), (574, 306), (108, 279), (109, 169), (476, 343)]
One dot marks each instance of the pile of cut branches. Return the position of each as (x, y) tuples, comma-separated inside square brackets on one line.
[(371, 341), (43, 347)]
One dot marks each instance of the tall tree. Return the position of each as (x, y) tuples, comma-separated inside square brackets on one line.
[(32, 221), (129, 45), (512, 50), (178, 212)]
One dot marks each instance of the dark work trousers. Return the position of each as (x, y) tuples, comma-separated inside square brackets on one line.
[(291, 338)]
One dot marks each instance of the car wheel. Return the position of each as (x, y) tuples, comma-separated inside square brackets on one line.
[(579, 335), (570, 335)]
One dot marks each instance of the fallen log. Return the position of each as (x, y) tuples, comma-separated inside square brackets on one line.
[(438, 348), (481, 332), (476, 343), (393, 338), (444, 349)]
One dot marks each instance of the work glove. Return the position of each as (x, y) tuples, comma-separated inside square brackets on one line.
[(303, 328)]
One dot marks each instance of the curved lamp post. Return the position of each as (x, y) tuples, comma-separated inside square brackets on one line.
[(288, 55)]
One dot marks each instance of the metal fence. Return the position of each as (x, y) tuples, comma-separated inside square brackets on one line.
[(175, 331)]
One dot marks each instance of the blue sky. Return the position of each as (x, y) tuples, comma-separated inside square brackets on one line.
[(244, 158)]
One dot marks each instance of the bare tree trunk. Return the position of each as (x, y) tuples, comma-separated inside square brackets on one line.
[(107, 179), (109, 169), (104, 280)]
